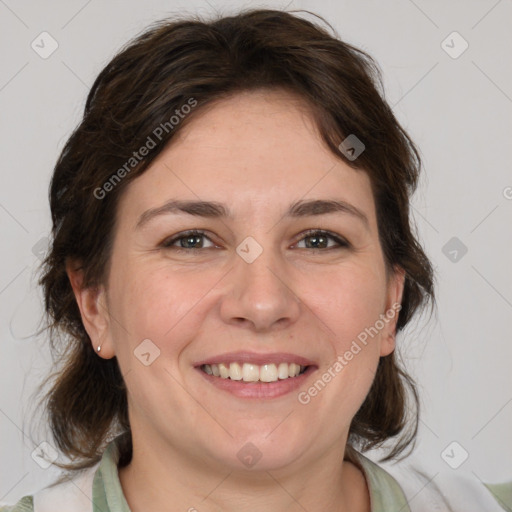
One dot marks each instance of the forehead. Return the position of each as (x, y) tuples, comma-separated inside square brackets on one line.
[(255, 151)]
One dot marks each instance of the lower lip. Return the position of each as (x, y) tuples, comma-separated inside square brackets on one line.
[(258, 389)]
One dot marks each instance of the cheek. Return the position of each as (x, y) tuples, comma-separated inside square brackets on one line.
[(351, 311), (156, 304), (153, 319), (352, 305)]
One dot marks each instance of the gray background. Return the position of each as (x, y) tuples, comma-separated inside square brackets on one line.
[(458, 110)]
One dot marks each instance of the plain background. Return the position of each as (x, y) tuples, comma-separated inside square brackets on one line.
[(458, 111)]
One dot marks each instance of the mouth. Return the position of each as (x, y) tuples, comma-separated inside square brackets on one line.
[(248, 372), (250, 375)]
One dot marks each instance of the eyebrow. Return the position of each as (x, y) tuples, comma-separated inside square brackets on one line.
[(213, 209)]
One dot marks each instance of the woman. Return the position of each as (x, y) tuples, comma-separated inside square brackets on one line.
[(231, 261)]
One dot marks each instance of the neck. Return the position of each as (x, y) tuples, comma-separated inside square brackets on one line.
[(159, 475)]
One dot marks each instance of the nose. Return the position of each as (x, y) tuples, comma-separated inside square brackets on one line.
[(260, 294)]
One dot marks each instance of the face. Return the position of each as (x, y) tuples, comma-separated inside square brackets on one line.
[(275, 281)]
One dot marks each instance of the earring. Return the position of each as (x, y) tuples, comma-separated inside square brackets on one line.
[(99, 348)]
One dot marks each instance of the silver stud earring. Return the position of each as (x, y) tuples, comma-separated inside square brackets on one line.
[(99, 348)]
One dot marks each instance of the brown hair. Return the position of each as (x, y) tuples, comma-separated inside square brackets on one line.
[(178, 62)]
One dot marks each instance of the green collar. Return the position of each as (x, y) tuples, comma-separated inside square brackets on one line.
[(107, 493), (108, 496)]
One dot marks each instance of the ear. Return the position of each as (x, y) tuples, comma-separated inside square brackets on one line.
[(94, 311), (395, 290)]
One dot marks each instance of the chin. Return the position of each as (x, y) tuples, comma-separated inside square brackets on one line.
[(264, 451)]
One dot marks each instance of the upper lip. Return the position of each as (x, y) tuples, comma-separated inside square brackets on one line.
[(256, 358)]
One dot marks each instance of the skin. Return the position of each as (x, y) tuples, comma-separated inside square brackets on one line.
[(257, 153)]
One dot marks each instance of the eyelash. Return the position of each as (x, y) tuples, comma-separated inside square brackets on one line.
[(168, 243)]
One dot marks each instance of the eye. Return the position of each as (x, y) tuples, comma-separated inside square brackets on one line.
[(320, 239), (190, 240), (313, 238)]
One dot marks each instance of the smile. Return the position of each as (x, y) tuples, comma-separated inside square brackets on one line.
[(256, 375), (248, 372)]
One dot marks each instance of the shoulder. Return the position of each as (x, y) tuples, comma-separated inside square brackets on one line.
[(80, 489), (502, 494), (385, 492), (26, 504), (433, 489), (75, 491), (417, 488)]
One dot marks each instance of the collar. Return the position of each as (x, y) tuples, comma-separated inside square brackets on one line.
[(107, 493)]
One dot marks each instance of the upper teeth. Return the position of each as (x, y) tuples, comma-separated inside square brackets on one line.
[(253, 372)]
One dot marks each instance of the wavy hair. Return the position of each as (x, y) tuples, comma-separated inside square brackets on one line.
[(139, 89)]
